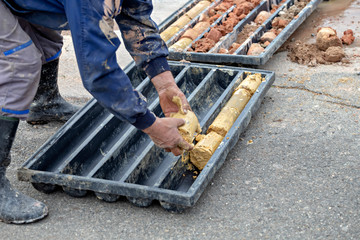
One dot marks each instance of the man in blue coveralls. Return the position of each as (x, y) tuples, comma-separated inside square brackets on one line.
[(90, 22)]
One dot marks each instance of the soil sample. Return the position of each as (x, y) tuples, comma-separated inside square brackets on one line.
[(194, 32), (278, 24), (208, 144), (231, 111), (204, 149), (327, 37), (255, 49), (248, 29), (262, 17), (189, 36), (183, 20), (243, 7), (205, 21), (242, 36), (191, 127)]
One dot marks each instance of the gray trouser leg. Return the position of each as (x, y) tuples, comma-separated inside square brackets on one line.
[(20, 66), (48, 41)]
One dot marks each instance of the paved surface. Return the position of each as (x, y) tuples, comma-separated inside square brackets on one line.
[(298, 179)]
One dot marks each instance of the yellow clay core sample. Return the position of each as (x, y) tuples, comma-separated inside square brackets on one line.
[(181, 44), (198, 8), (204, 149), (191, 126), (251, 83), (224, 121), (169, 32), (208, 144), (183, 20), (228, 115)]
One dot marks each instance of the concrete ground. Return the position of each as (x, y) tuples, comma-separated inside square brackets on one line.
[(299, 177)]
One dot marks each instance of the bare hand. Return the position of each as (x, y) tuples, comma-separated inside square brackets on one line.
[(164, 133), (167, 89)]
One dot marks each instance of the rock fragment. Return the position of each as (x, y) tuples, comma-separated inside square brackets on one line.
[(326, 37)]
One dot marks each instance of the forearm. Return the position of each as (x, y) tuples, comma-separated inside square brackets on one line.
[(141, 37), (95, 49)]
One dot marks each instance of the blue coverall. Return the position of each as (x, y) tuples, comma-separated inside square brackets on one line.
[(95, 45)]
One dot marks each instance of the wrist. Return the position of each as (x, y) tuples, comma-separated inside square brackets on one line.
[(145, 121), (163, 81), (156, 67), (150, 128)]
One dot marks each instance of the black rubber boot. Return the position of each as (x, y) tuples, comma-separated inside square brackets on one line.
[(48, 104), (15, 207)]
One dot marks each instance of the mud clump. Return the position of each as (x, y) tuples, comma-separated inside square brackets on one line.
[(255, 49), (204, 45), (311, 55), (326, 37), (334, 54), (348, 37), (214, 35), (262, 17), (268, 37), (303, 53)]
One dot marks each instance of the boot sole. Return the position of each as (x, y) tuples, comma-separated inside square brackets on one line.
[(27, 221)]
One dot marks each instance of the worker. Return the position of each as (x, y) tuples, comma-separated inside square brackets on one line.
[(95, 45)]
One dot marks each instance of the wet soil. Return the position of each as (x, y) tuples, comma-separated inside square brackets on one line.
[(338, 14), (248, 30), (305, 48), (240, 11)]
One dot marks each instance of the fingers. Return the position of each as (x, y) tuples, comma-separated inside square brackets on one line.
[(185, 145), (185, 103), (180, 148), (177, 151), (179, 122)]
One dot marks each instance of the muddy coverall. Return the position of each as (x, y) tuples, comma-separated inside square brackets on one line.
[(95, 45)]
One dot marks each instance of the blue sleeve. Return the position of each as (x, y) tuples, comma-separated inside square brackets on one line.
[(141, 36), (95, 46)]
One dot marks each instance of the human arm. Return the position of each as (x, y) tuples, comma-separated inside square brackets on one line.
[(95, 46)]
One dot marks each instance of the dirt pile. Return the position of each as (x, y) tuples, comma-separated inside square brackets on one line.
[(328, 48)]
